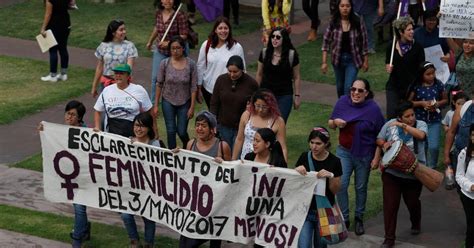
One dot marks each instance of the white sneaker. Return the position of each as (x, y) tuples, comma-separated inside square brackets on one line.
[(62, 77), (49, 78)]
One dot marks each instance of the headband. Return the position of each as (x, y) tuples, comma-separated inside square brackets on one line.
[(322, 131)]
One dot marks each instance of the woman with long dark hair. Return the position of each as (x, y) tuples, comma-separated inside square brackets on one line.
[(465, 180), (177, 79), (279, 71), (163, 16), (346, 38), (113, 50), (56, 18), (266, 149), (213, 57)]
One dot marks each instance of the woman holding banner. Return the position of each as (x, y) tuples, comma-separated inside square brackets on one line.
[(143, 133), (327, 165), (407, 55), (206, 143)]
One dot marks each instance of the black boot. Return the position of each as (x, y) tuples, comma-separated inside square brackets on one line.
[(359, 226), (348, 224)]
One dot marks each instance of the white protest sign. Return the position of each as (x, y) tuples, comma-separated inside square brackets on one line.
[(186, 191), (433, 55), (457, 20)]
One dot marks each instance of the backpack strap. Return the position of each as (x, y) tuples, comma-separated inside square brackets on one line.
[(264, 51), (291, 57), (310, 162)]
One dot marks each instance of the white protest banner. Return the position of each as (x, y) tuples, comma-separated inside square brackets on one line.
[(457, 20), (433, 55), (186, 191)]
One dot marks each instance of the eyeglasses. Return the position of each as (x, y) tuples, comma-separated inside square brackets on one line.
[(278, 37), (177, 48), (359, 90), (262, 107), (71, 114), (138, 125)]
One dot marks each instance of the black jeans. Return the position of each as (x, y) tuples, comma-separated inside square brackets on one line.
[(310, 7), (61, 37), (234, 4), (468, 205)]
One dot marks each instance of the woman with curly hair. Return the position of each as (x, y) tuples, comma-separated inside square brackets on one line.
[(213, 57), (262, 113), (279, 71), (346, 38)]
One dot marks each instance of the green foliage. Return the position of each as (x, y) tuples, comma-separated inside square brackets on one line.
[(89, 23), (24, 93), (57, 227)]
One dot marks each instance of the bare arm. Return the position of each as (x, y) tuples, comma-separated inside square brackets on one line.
[(297, 85), (239, 140), (335, 184), (97, 120), (99, 69), (152, 38), (259, 75), (47, 16), (448, 142), (281, 137)]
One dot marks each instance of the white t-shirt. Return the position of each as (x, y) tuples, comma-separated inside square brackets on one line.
[(216, 63), (448, 118), (465, 178), (123, 104)]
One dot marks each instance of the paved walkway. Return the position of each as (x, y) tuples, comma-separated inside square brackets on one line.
[(443, 219)]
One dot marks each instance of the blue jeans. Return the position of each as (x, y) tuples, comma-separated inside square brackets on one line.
[(284, 104), (369, 26), (157, 58), (176, 120), (346, 74), (434, 133), (131, 226), (227, 134), (361, 166), (80, 222), (309, 235)]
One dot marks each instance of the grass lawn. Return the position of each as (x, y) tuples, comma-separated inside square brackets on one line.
[(310, 60), (58, 227), (24, 93), (89, 23)]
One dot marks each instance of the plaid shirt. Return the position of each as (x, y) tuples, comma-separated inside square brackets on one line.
[(358, 43), (179, 27)]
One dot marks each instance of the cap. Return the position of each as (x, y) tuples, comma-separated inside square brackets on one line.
[(123, 68), (209, 117)]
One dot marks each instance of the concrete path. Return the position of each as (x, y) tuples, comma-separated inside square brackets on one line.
[(443, 223)]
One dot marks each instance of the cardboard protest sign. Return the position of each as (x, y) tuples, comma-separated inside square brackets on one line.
[(457, 20), (187, 191)]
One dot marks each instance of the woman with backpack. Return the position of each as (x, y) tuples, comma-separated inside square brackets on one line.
[(176, 81), (346, 39), (278, 70)]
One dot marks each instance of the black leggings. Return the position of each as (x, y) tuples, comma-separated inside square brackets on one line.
[(235, 9), (468, 205), (61, 36), (310, 7)]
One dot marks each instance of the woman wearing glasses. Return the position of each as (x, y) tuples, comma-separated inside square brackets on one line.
[(359, 120), (230, 97), (113, 50), (261, 113), (176, 80), (346, 38), (279, 71)]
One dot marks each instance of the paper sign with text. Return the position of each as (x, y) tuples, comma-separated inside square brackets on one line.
[(187, 191), (457, 20)]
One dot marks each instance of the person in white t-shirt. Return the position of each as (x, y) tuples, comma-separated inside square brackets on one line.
[(121, 102)]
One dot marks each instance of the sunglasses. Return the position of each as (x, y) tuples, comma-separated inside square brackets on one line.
[(278, 37), (359, 90)]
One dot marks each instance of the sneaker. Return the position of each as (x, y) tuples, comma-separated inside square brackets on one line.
[(62, 77), (49, 78), (359, 227)]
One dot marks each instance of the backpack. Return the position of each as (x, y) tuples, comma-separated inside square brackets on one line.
[(291, 55)]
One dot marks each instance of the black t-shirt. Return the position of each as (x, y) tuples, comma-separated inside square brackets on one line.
[(279, 78), (279, 161), (331, 164), (60, 19)]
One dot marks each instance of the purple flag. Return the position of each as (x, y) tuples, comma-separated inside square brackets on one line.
[(404, 8), (431, 4), (210, 9)]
